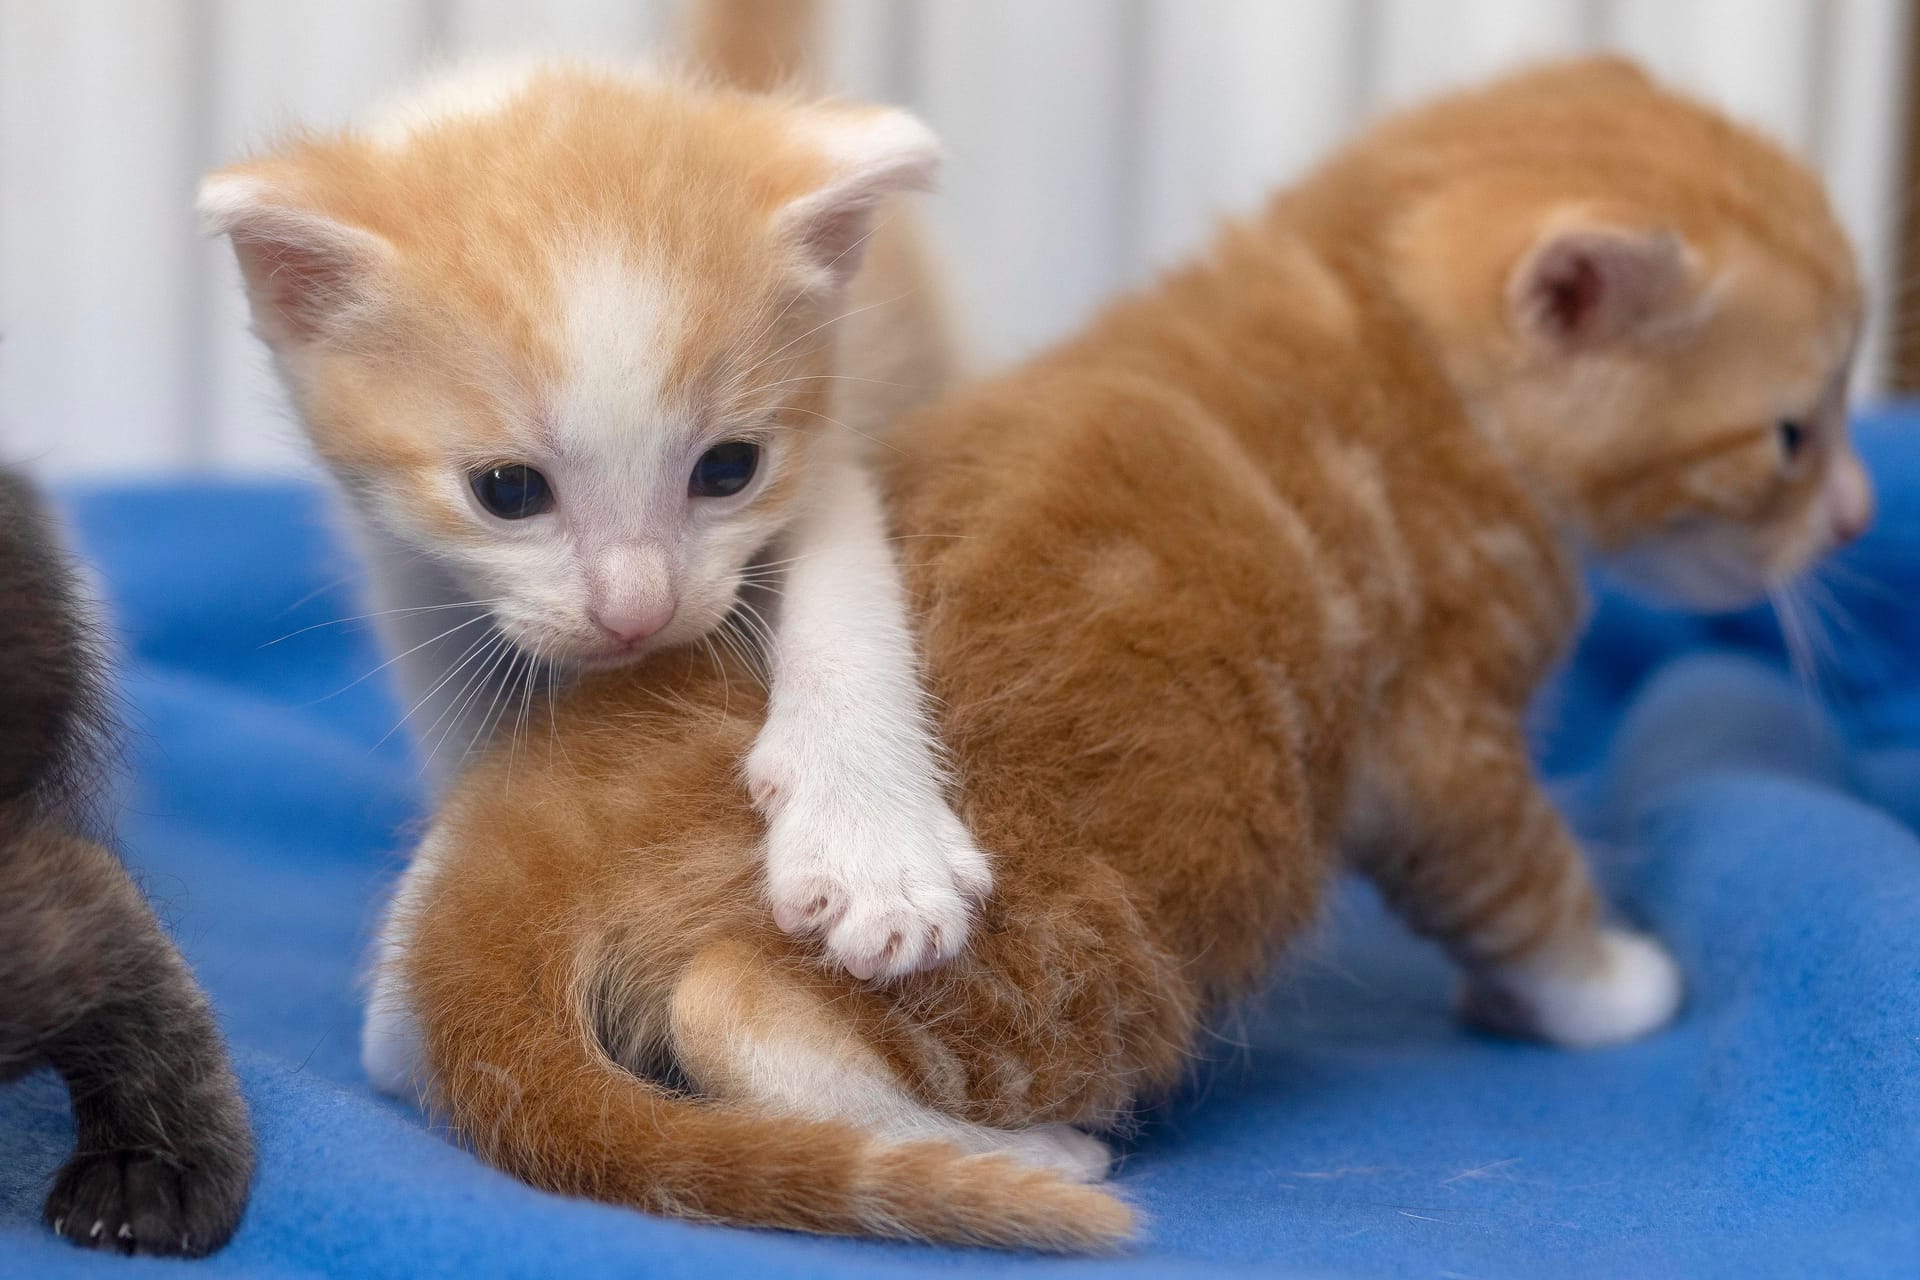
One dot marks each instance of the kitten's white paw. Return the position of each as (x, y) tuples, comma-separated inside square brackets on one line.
[(889, 897), (1634, 989)]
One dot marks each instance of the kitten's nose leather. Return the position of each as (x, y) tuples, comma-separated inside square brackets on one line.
[(631, 595), (1852, 502), (632, 623)]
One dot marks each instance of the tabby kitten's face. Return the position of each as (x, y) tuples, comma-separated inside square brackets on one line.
[(1687, 403), (566, 331)]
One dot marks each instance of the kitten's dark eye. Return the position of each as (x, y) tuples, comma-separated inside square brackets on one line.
[(512, 492), (1793, 439), (724, 470)]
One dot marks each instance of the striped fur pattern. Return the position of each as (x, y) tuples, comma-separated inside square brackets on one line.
[(1250, 582)]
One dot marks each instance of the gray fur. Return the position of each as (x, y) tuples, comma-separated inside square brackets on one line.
[(89, 984)]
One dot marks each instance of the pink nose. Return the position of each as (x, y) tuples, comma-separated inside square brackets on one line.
[(1852, 502), (1853, 525), (630, 624)]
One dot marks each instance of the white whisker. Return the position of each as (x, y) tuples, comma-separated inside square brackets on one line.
[(461, 626)]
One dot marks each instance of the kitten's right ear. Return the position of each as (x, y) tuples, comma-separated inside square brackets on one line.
[(1585, 285), (306, 273), (873, 154)]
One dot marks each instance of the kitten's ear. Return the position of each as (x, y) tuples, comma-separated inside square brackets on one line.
[(872, 154), (305, 272), (1583, 286)]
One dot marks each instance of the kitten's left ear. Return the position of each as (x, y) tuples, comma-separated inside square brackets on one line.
[(307, 274), (872, 154), (1585, 285)]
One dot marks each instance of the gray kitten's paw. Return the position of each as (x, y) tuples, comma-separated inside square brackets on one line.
[(147, 1202)]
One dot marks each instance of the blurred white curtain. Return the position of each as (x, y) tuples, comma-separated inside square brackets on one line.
[(1091, 140)]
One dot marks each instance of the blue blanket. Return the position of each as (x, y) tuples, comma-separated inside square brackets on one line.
[(1762, 824)]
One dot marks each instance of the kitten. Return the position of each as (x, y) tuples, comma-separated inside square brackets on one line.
[(570, 340), (1252, 581), (89, 985)]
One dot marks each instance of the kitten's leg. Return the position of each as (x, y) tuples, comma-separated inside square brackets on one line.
[(862, 846), (1478, 858), (164, 1156), (741, 1029)]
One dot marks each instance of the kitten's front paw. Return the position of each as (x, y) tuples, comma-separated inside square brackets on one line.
[(140, 1201), (888, 902), (1632, 988)]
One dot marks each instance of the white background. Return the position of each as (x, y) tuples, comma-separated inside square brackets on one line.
[(1090, 140)]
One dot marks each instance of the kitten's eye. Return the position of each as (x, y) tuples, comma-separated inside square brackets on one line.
[(512, 492), (1793, 439), (724, 470)]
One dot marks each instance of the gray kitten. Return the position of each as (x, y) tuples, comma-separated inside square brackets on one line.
[(89, 985)]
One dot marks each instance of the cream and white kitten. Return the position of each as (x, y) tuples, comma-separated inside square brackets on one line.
[(589, 352)]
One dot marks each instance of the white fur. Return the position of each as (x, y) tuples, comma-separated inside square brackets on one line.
[(227, 200), (621, 329), (1634, 989), (872, 146), (390, 1037), (861, 844), (796, 1070)]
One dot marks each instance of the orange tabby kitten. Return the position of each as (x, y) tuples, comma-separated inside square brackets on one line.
[(592, 351), (1252, 581)]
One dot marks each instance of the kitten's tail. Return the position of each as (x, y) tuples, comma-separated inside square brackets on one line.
[(756, 45), (520, 1073)]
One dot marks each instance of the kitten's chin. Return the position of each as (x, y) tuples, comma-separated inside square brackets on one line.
[(604, 660), (1690, 583), (568, 653)]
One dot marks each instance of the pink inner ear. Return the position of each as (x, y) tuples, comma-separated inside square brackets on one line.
[(835, 237), (1570, 288), (1589, 286), (296, 287)]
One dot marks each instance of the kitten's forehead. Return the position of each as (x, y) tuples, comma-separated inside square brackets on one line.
[(1778, 326), (621, 405)]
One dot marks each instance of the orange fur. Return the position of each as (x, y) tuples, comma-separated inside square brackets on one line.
[(1253, 579), (758, 45)]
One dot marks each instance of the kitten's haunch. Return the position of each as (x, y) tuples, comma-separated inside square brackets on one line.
[(89, 984)]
